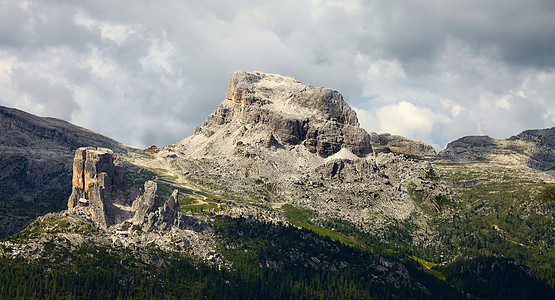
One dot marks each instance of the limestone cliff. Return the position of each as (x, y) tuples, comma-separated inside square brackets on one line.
[(99, 188), (98, 182), (284, 112)]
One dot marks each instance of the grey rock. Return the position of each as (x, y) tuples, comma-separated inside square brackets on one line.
[(385, 143), (146, 203), (170, 216), (100, 189), (537, 145), (470, 148), (290, 112), (98, 182)]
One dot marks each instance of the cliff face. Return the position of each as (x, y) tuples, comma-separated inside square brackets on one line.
[(98, 182), (542, 149), (285, 112), (99, 188)]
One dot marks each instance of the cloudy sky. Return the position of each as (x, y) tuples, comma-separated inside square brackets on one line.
[(146, 72)]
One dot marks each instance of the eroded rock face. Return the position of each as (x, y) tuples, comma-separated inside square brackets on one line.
[(99, 187), (98, 182), (146, 203), (170, 215), (293, 112)]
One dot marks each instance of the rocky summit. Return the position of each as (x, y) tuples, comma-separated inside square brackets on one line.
[(278, 111), (303, 144)]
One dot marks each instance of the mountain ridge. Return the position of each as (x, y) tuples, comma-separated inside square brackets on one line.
[(536, 148)]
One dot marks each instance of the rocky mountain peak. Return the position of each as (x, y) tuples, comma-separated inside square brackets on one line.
[(260, 106), (286, 95)]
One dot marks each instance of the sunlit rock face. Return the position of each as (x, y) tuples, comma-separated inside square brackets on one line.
[(98, 182), (99, 187), (289, 112)]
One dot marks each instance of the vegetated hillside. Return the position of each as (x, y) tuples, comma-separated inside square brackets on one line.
[(35, 164), (282, 195)]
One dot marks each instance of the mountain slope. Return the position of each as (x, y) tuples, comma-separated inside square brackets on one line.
[(299, 144), (35, 164)]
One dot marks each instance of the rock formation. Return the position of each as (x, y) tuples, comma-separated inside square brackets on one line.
[(295, 113), (99, 183), (542, 151), (36, 155), (286, 141), (146, 203), (170, 215), (99, 187)]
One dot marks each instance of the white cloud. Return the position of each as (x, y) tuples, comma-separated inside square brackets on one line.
[(405, 119), (117, 33), (503, 103)]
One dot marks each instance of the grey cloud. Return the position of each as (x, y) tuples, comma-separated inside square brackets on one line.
[(520, 30), (39, 25), (56, 98), (14, 23), (466, 52)]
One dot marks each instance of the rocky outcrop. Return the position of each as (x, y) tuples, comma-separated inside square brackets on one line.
[(542, 155), (98, 183), (289, 113), (170, 215), (99, 187), (470, 148), (146, 203), (386, 143)]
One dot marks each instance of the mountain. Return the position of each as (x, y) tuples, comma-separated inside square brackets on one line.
[(535, 148), (35, 164), (280, 194), (302, 145)]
